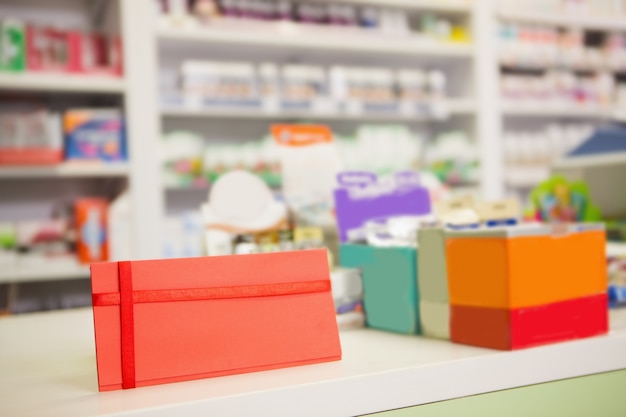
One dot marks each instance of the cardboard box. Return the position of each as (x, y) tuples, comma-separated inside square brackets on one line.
[(390, 288), (95, 135), (180, 319), (523, 286), (432, 281), (91, 227)]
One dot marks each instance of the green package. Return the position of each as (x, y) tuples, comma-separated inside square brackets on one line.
[(12, 45)]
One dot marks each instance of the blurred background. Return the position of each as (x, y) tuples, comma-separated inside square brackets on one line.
[(133, 108)]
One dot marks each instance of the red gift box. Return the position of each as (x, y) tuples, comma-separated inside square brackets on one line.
[(180, 319)]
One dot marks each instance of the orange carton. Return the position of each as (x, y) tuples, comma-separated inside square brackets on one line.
[(91, 226), (180, 319), (523, 286), (525, 266)]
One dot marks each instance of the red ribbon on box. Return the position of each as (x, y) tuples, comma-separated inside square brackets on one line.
[(126, 298)]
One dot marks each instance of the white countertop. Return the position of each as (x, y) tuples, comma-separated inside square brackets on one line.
[(47, 368)]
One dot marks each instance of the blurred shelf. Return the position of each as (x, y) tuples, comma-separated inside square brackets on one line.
[(286, 35), (68, 169), (590, 22), (613, 158), (548, 67), (29, 81), (460, 6), (46, 271), (525, 177), (547, 111), (453, 107)]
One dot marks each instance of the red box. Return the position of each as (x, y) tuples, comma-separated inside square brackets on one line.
[(31, 156), (181, 319), (509, 329), (91, 224)]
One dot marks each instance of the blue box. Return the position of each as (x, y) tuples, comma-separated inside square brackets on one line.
[(95, 134)]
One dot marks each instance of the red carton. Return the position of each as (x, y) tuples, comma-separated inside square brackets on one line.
[(91, 225), (181, 319)]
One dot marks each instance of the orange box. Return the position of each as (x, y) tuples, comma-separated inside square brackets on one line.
[(525, 266), (91, 226), (180, 319)]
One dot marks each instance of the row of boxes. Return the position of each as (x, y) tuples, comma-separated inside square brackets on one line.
[(37, 48), (503, 288), (42, 137)]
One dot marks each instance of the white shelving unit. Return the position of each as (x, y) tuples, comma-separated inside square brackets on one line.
[(64, 83), (535, 117), (452, 107), (583, 21), (242, 40), (44, 272), (25, 194), (267, 35), (548, 112), (65, 170)]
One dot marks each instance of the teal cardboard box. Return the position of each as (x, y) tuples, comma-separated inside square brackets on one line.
[(389, 285)]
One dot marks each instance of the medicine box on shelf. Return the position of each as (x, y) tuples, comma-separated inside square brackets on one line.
[(389, 285), (523, 286)]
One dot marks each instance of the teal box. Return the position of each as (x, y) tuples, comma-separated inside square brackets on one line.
[(389, 285)]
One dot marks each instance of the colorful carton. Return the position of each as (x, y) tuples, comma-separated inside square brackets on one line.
[(523, 286), (91, 227), (390, 289), (94, 134), (181, 319)]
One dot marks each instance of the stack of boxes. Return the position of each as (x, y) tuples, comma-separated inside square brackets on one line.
[(506, 286), (517, 287)]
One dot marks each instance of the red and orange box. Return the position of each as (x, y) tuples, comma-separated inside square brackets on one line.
[(523, 286), (91, 229), (173, 320)]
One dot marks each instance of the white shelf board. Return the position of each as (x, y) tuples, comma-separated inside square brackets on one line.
[(48, 368), (290, 36), (45, 271), (460, 6), (612, 158), (590, 22), (63, 170), (547, 111), (454, 107), (29, 81)]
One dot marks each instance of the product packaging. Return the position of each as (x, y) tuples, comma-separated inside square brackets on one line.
[(216, 316), (91, 228), (94, 135), (522, 286), (30, 138), (45, 243), (385, 214), (8, 246), (348, 297), (47, 49), (12, 45), (93, 53)]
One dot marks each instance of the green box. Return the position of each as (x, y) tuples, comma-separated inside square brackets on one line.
[(12, 45), (389, 285)]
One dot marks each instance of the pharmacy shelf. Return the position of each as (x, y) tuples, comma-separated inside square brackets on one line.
[(454, 107), (28, 81), (46, 271), (603, 23), (552, 112), (614, 158), (65, 170), (290, 36), (49, 368), (526, 177), (457, 6)]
